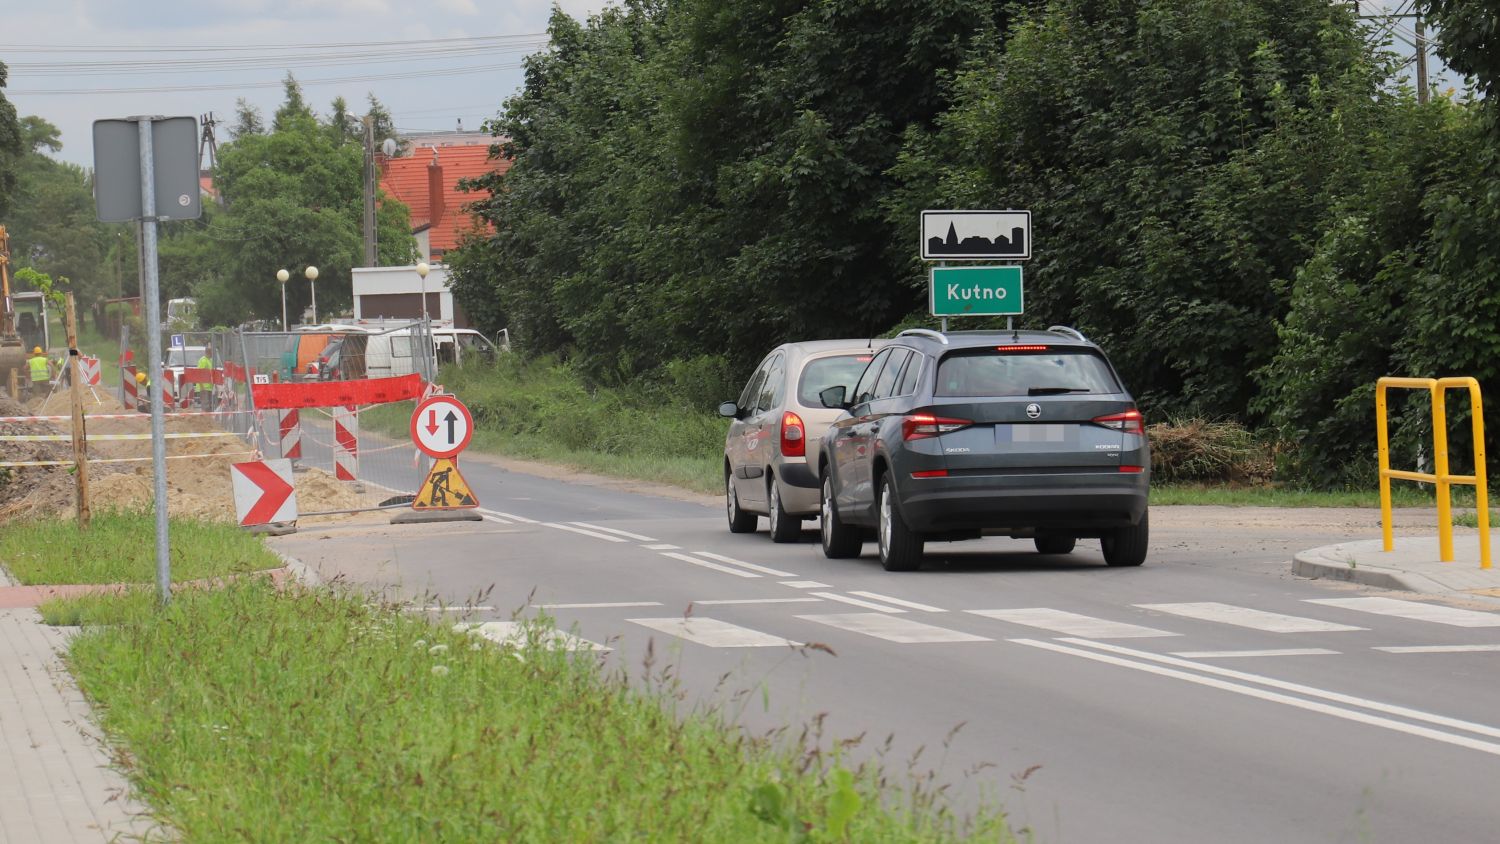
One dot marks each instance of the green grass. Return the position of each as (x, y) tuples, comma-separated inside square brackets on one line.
[(120, 547), (248, 714), (1276, 496)]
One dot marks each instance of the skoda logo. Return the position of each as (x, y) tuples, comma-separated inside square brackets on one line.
[(1033, 410)]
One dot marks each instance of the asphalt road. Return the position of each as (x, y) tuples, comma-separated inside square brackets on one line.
[(1207, 696)]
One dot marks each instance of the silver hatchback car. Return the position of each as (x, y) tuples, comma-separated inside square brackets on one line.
[(771, 451)]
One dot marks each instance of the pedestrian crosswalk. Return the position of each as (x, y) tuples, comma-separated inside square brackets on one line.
[(888, 622)]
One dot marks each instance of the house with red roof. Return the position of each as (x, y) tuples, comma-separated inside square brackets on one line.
[(426, 178)]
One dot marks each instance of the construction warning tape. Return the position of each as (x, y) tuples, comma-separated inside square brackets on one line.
[(26, 463), (57, 438), (146, 417)]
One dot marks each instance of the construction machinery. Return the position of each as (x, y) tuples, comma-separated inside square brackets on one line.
[(12, 347)]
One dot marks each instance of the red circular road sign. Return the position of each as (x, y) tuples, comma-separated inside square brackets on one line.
[(441, 426)]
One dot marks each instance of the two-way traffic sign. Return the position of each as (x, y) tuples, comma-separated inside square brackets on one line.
[(441, 426)]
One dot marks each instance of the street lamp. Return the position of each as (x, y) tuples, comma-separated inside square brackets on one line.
[(282, 276), (422, 270), (312, 280)]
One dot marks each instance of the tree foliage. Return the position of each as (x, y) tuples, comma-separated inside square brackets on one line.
[(11, 146)]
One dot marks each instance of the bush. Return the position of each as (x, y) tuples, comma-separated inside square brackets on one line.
[(1197, 450)]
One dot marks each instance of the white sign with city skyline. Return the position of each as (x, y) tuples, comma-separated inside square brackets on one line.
[(976, 235)]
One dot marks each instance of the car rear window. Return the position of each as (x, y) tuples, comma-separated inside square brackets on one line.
[(822, 373), (993, 372)]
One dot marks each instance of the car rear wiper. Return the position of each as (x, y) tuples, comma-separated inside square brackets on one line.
[(1052, 391)]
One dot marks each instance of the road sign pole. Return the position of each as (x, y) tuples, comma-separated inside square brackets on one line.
[(151, 293)]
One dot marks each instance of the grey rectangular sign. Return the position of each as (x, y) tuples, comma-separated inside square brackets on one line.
[(117, 169), (976, 235)]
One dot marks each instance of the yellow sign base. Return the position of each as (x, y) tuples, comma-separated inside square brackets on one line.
[(444, 489)]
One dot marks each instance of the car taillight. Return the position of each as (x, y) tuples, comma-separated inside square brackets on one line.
[(1129, 422), (931, 473), (793, 435), (922, 425)]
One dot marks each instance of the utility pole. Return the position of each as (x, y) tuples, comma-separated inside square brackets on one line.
[(1421, 33), (369, 190)]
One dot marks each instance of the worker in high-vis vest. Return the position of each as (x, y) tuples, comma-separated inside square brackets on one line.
[(206, 388), (40, 368), (142, 392)]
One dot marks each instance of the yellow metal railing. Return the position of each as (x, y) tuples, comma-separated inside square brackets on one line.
[(1438, 388)]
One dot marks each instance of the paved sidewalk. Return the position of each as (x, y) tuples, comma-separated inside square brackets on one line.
[(55, 781), (1412, 565)]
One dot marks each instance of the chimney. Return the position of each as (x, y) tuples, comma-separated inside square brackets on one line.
[(435, 189)]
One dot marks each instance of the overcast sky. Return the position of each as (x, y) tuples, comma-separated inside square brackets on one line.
[(39, 40), (34, 32)]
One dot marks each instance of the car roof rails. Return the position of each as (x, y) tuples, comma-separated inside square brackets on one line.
[(925, 332), (1067, 331)]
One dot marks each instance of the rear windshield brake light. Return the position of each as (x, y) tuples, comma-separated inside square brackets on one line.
[(1032, 348)]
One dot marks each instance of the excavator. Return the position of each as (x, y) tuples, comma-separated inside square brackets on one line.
[(12, 348)]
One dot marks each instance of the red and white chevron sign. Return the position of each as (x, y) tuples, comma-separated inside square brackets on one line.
[(88, 371), (263, 492)]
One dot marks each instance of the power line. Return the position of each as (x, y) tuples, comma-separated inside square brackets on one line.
[(221, 48), (231, 63), (237, 86)]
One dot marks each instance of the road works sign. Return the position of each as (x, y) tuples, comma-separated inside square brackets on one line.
[(975, 291), (976, 235), (444, 489), (441, 426), (88, 370), (263, 492)]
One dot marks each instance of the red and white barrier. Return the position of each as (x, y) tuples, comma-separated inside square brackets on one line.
[(291, 435), (346, 443), (88, 371), (127, 381)]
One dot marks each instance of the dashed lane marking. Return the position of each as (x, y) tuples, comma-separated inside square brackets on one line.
[(1440, 649), (616, 531), (845, 599), (706, 564), (1414, 610), (594, 534), (1270, 622), (911, 605), (901, 630), (742, 564), (713, 633), (1271, 652), (1072, 624), (448, 608), (598, 606), (513, 517), (661, 547), (758, 601), (805, 584)]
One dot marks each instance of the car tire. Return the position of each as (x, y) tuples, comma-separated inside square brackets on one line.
[(900, 546), (784, 526), (1127, 546), (1055, 544), (739, 520), (840, 541)]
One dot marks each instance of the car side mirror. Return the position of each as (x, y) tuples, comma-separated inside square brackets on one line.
[(729, 410), (835, 397)]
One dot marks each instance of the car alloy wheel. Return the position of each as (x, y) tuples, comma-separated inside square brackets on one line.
[(885, 526), (739, 520)]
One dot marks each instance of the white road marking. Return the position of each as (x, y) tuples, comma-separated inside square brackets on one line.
[(741, 563), (1072, 624), (600, 606), (713, 633), (448, 608), (911, 605), (706, 564), (902, 630), (1298, 688), (513, 634), (1288, 700), (661, 547), (844, 599), (1271, 622), (495, 519), (522, 519), (1415, 610), (1271, 652), (617, 532), (594, 534), (1440, 649), (805, 584), (758, 601)]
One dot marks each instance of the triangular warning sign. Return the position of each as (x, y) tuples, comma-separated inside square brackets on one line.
[(444, 489)]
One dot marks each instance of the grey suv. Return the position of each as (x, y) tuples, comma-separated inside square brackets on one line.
[(954, 436), (772, 444)]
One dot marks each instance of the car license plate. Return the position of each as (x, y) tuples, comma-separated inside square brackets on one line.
[(1031, 433)]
